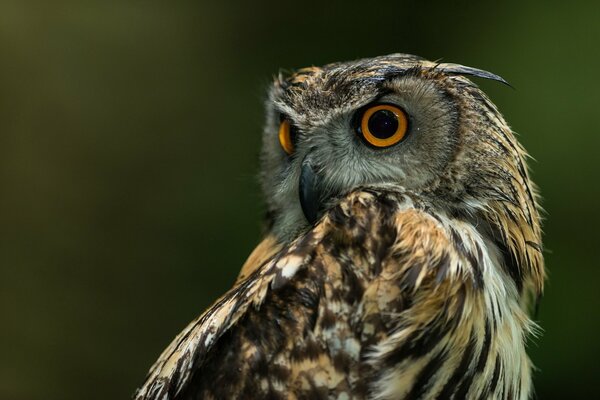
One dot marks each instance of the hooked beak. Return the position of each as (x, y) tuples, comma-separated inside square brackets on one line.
[(309, 191)]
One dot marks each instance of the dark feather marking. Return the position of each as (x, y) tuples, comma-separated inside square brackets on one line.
[(442, 268), (510, 394), (176, 376), (534, 245), (485, 348), (308, 348), (314, 393), (471, 258), (457, 241), (422, 383), (328, 319), (495, 377), (466, 383), (261, 365), (459, 373), (510, 264), (272, 395), (342, 362), (203, 380), (337, 216), (353, 285), (476, 266), (461, 296), (310, 300), (419, 343), (410, 281)]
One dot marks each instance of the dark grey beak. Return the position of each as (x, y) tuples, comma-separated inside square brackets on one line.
[(309, 191)]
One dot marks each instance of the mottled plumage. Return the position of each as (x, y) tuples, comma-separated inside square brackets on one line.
[(402, 272)]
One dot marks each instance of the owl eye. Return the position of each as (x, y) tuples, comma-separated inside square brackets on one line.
[(383, 125), (287, 136)]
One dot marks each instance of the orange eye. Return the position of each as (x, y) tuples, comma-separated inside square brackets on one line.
[(383, 125), (286, 136)]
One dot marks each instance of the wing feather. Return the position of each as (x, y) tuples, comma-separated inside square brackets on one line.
[(376, 298), (175, 366)]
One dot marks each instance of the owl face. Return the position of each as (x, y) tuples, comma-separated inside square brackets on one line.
[(394, 120)]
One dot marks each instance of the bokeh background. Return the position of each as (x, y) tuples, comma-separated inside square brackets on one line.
[(129, 136)]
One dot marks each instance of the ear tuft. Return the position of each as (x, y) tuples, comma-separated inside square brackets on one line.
[(457, 69)]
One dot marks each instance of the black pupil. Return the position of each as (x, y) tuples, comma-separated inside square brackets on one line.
[(293, 134), (383, 124)]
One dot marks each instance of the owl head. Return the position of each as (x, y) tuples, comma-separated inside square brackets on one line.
[(394, 120)]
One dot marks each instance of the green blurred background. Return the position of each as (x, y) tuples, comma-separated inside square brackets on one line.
[(129, 135)]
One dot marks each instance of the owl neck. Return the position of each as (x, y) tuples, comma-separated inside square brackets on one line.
[(517, 238)]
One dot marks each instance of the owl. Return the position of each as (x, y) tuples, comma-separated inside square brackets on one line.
[(402, 251)]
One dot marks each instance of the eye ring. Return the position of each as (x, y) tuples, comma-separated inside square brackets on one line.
[(286, 136), (383, 125)]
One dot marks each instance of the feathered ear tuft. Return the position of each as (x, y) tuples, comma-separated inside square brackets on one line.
[(457, 69)]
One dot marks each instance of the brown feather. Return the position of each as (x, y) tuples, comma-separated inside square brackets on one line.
[(330, 318)]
